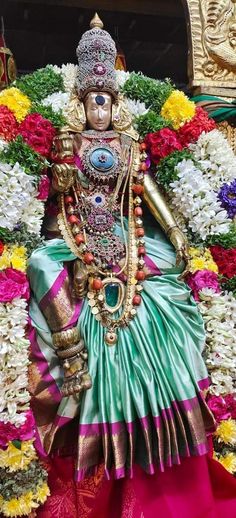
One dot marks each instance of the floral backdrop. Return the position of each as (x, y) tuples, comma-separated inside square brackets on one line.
[(196, 168)]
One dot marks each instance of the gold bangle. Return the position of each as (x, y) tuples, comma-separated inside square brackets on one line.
[(70, 351), (169, 229), (65, 338)]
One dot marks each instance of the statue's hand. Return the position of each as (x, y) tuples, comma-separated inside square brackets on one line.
[(180, 243)]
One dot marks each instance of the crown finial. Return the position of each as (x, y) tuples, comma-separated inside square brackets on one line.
[(96, 22)]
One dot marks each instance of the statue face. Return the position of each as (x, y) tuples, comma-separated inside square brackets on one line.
[(98, 110)]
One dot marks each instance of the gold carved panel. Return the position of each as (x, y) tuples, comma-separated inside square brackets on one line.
[(212, 45)]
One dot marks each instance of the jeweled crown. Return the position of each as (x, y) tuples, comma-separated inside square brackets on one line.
[(96, 54)]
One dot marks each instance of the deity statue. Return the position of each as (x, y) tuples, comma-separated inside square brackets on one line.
[(117, 374)]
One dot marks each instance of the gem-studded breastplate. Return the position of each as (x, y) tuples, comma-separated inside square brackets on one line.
[(108, 170), (99, 173)]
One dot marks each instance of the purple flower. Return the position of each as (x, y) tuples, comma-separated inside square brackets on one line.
[(227, 196)]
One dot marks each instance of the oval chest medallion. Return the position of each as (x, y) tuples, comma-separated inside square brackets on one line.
[(101, 162), (102, 159)]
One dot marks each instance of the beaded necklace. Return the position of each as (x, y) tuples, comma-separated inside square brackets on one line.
[(87, 224)]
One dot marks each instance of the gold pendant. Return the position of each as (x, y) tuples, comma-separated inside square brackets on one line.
[(110, 338)]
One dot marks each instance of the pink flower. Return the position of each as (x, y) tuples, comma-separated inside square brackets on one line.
[(203, 279), (10, 432), (44, 186), (13, 283), (219, 408), (230, 401)]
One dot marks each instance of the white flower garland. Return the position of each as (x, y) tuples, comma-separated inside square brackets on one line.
[(58, 101), (16, 191), (193, 197), (136, 108), (216, 158), (219, 315), (69, 74), (122, 77), (14, 361), (32, 216), (18, 201)]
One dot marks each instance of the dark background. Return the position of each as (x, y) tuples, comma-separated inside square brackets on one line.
[(151, 33)]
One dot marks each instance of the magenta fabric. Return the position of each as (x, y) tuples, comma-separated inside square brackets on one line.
[(198, 488)]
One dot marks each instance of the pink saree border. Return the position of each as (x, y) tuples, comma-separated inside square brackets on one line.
[(53, 291)]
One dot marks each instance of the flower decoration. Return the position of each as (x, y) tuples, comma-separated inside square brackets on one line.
[(58, 101), (38, 133), (225, 260), (222, 407), (16, 101), (226, 432), (228, 461), (227, 196), (13, 283), (203, 279), (17, 455), (16, 191), (162, 143), (201, 259), (8, 124), (43, 188), (40, 84), (178, 109), (18, 153), (216, 166), (13, 256), (1, 248), (193, 197), (10, 432), (191, 130)]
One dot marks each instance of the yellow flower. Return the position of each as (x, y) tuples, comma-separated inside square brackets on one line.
[(21, 506), (194, 252), (16, 101), (18, 262), (201, 259), (11, 508), (42, 493), (17, 458), (4, 261), (226, 432), (211, 265), (228, 461), (197, 264), (178, 109), (14, 256)]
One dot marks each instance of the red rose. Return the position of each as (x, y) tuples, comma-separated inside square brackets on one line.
[(38, 133), (8, 124), (162, 143), (192, 130), (225, 260), (1, 247)]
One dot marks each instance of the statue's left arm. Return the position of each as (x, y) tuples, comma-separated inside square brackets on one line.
[(163, 215)]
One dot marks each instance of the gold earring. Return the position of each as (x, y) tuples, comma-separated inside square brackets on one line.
[(75, 114), (121, 118)]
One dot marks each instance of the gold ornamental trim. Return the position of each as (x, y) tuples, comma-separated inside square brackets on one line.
[(211, 27)]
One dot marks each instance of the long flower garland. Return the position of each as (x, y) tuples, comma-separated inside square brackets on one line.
[(185, 152)]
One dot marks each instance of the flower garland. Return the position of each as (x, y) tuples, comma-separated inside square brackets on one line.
[(184, 148), (25, 144)]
